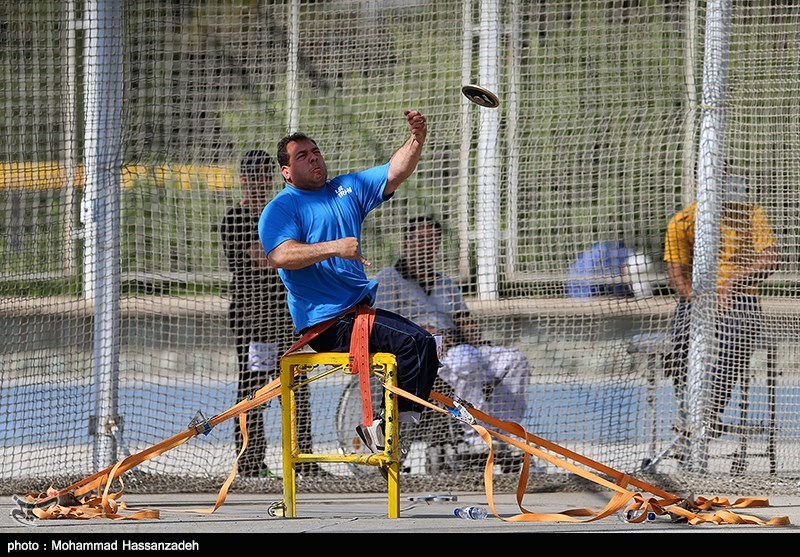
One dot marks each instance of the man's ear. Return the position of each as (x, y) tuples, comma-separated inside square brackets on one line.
[(287, 174)]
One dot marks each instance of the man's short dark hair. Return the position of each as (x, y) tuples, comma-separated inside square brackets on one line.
[(425, 220), (283, 154), (256, 164)]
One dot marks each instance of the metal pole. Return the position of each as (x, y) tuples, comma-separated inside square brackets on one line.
[(464, 215), (702, 348), (512, 116), (100, 212), (69, 118), (690, 58), (488, 145), (293, 67)]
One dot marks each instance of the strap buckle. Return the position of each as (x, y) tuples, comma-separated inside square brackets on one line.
[(199, 423), (460, 412)]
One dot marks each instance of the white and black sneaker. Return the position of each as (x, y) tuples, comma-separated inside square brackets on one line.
[(373, 435)]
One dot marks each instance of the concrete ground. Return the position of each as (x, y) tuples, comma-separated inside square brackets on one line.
[(186, 517)]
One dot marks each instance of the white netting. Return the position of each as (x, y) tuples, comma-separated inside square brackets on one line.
[(122, 127)]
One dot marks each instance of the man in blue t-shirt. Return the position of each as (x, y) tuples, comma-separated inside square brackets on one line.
[(311, 232)]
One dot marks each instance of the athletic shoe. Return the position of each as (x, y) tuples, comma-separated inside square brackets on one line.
[(256, 473), (373, 435), (311, 470)]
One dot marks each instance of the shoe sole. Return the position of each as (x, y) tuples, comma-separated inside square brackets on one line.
[(366, 438)]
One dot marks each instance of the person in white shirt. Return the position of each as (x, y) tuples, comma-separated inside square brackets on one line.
[(494, 379)]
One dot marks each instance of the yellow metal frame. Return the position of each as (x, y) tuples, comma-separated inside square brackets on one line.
[(381, 364)]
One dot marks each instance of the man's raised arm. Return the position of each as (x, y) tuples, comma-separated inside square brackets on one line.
[(404, 161)]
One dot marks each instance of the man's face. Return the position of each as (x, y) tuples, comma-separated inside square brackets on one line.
[(421, 247), (306, 169)]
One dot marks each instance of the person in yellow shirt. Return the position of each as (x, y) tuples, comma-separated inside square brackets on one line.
[(748, 254)]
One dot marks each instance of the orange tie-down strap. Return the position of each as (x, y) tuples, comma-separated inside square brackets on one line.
[(359, 351), (359, 358), (628, 490), (84, 499)]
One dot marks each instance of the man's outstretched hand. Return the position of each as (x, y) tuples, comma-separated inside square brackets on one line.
[(417, 125)]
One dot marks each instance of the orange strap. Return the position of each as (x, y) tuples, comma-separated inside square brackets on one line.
[(359, 357), (664, 503), (359, 351), (67, 502), (77, 500), (310, 335)]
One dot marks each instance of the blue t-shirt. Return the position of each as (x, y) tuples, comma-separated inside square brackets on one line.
[(326, 289)]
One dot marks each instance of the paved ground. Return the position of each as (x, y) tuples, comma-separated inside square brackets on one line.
[(354, 513)]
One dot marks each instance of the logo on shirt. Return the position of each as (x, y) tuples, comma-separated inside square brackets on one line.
[(341, 191)]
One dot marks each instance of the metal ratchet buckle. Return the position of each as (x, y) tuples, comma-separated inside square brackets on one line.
[(460, 412), (199, 423)]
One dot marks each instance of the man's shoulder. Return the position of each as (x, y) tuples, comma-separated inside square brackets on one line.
[(285, 192), (281, 202)]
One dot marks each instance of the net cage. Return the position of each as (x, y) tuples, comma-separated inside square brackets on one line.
[(122, 132)]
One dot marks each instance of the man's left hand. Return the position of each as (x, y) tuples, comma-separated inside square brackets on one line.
[(417, 125)]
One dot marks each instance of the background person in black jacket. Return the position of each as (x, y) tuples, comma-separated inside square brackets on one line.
[(258, 315)]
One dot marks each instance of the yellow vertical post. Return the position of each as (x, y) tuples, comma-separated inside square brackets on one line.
[(288, 438), (392, 432)]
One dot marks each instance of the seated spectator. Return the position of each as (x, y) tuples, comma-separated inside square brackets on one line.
[(609, 269), (493, 379)]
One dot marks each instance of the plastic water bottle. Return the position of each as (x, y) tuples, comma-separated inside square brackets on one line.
[(628, 516), (471, 513)]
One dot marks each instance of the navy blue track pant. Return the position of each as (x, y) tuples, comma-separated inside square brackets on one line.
[(413, 346)]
